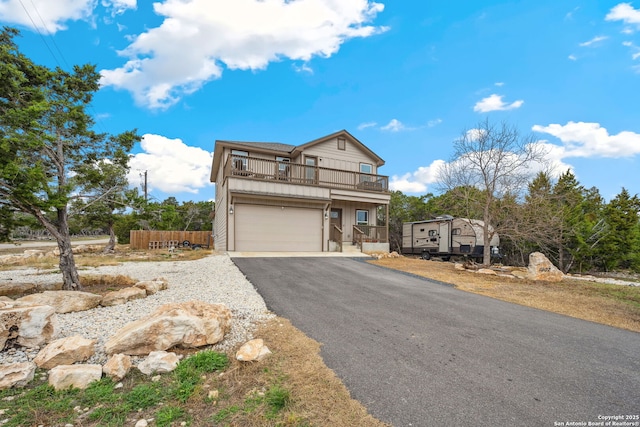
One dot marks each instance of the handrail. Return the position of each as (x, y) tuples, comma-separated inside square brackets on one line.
[(358, 240), (336, 236)]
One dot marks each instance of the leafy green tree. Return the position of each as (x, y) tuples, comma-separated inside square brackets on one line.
[(590, 231), (403, 208), (47, 142), (105, 193), (620, 248)]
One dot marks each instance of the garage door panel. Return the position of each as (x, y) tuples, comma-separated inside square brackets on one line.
[(273, 228)]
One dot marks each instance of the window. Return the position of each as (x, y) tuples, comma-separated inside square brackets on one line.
[(283, 166), (240, 160), (362, 217), (456, 231), (342, 144), (365, 168), (433, 233)]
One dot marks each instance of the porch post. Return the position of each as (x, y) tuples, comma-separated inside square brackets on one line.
[(386, 222)]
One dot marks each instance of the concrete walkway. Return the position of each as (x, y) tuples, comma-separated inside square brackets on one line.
[(297, 254)]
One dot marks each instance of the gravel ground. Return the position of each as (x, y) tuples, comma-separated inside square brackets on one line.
[(213, 279)]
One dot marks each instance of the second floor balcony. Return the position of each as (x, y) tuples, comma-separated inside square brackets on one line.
[(286, 172)]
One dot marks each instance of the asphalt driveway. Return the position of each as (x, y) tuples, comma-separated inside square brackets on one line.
[(420, 353)]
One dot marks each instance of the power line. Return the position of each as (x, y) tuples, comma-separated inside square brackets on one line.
[(98, 122)]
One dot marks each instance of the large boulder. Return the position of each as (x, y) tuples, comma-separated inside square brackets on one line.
[(25, 324), (12, 288), (65, 351), (253, 350), (160, 362), (64, 301), (188, 325), (123, 295), (152, 286), (79, 376), (117, 367), (540, 268), (16, 374)]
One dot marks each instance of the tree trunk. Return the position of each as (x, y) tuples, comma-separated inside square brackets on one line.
[(486, 239), (111, 246), (70, 278)]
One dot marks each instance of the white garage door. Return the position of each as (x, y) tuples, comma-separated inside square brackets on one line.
[(273, 228)]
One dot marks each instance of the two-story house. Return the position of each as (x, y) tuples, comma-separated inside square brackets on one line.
[(317, 196)]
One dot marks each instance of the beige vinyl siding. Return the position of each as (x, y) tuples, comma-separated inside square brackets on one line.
[(349, 216), (348, 159), (279, 188), (220, 223), (277, 228)]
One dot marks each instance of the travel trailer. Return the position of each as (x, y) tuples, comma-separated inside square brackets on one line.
[(445, 237)]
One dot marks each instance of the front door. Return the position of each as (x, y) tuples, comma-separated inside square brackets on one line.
[(335, 234), (336, 218)]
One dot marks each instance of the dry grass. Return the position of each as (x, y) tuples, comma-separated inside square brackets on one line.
[(316, 396), (612, 305), (95, 258)]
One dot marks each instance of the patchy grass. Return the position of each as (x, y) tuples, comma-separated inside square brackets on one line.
[(613, 305), (291, 387), (95, 258)]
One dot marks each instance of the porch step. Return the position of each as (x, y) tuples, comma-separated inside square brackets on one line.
[(350, 247)]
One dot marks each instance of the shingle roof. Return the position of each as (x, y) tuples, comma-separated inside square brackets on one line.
[(276, 146)]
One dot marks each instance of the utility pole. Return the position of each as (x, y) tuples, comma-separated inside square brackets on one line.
[(144, 185)]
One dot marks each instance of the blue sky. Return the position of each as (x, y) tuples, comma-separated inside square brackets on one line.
[(405, 77)]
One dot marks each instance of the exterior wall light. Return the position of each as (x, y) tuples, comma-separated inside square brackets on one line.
[(230, 209)]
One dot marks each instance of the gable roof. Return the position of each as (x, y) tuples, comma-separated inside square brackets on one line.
[(271, 146), (343, 132), (283, 149)]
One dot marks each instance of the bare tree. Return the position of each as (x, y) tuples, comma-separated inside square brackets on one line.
[(495, 160)]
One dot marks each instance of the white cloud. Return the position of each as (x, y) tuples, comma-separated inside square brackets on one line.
[(495, 103), (200, 37), (418, 181), (573, 57), (499, 84), (304, 68), (394, 126), (172, 165), (582, 139), (51, 14), (362, 126), (593, 41), (626, 13), (118, 7), (432, 123)]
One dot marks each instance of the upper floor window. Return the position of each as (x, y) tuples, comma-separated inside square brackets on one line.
[(240, 159), (283, 167), (342, 144), (366, 168)]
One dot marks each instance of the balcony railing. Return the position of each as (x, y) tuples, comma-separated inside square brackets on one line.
[(264, 170)]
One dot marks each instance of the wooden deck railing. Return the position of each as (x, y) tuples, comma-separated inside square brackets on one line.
[(369, 233), (335, 235), (263, 169)]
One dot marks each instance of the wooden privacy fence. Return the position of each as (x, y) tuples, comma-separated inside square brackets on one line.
[(155, 239)]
